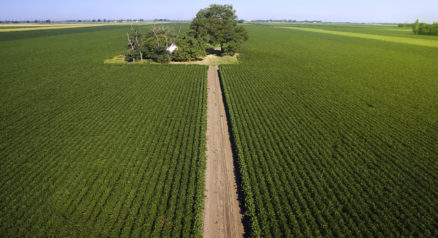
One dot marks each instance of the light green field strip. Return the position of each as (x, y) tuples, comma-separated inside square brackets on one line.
[(33, 27), (49, 27), (403, 40)]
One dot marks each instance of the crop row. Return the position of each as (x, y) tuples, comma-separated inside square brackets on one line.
[(92, 150), (321, 154)]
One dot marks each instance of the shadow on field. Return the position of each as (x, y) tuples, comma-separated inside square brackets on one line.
[(240, 193), (213, 51)]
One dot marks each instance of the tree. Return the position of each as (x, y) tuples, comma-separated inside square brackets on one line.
[(217, 25), (155, 47), (135, 45), (189, 48), (152, 45), (424, 28), (416, 27)]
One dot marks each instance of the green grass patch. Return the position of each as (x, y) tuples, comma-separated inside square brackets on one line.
[(120, 59)]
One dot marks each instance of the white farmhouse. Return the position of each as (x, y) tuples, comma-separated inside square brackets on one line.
[(172, 48)]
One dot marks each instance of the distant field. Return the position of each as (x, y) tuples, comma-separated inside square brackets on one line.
[(33, 27), (18, 27), (336, 135), (381, 30), (394, 39), (95, 150)]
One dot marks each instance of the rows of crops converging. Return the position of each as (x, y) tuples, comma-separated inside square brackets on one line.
[(335, 136), (94, 150)]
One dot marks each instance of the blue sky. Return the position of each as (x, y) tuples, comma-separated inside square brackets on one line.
[(334, 10)]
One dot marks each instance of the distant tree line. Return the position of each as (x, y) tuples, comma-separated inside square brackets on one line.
[(48, 21), (424, 28), (216, 26), (78, 20), (421, 28), (287, 20), (405, 25)]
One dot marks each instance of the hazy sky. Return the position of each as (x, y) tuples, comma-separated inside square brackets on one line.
[(325, 10)]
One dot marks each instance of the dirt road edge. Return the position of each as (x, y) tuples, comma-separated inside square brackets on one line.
[(222, 216)]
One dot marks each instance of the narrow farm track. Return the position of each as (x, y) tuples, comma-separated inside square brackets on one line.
[(222, 217)]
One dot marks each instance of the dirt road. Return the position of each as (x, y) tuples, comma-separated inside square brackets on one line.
[(222, 217)]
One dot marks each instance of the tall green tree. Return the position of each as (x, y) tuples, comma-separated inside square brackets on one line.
[(217, 25), (416, 27), (421, 28), (189, 49)]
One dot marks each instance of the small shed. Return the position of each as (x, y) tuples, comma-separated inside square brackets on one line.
[(172, 48)]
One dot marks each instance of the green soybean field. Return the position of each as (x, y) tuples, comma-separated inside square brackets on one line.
[(334, 131), (95, 150), (336, 135)]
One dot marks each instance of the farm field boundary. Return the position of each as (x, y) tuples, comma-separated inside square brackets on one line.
[(395, 39)]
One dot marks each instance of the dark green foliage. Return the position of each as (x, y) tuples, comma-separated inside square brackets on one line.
[(405, 25), (214, 25), (135, 46), (416, 27), (155, 43), (161, 56), (189, 48), (424, 28), (132, 55), (155, 48), (217, 25), (95, 150), (336, 136), (229, 48), (152, 45)]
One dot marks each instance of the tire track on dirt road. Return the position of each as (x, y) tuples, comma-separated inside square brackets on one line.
[(222, 216)]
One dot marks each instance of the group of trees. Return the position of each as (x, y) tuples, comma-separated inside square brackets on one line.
[(405, 25), (424, 28), (212, 27), (421, 28), (155, 44)]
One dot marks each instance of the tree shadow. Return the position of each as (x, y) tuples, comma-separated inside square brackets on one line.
[(240, 193), (213, 51)]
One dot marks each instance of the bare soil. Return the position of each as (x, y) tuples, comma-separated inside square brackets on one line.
[(222, 216)]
